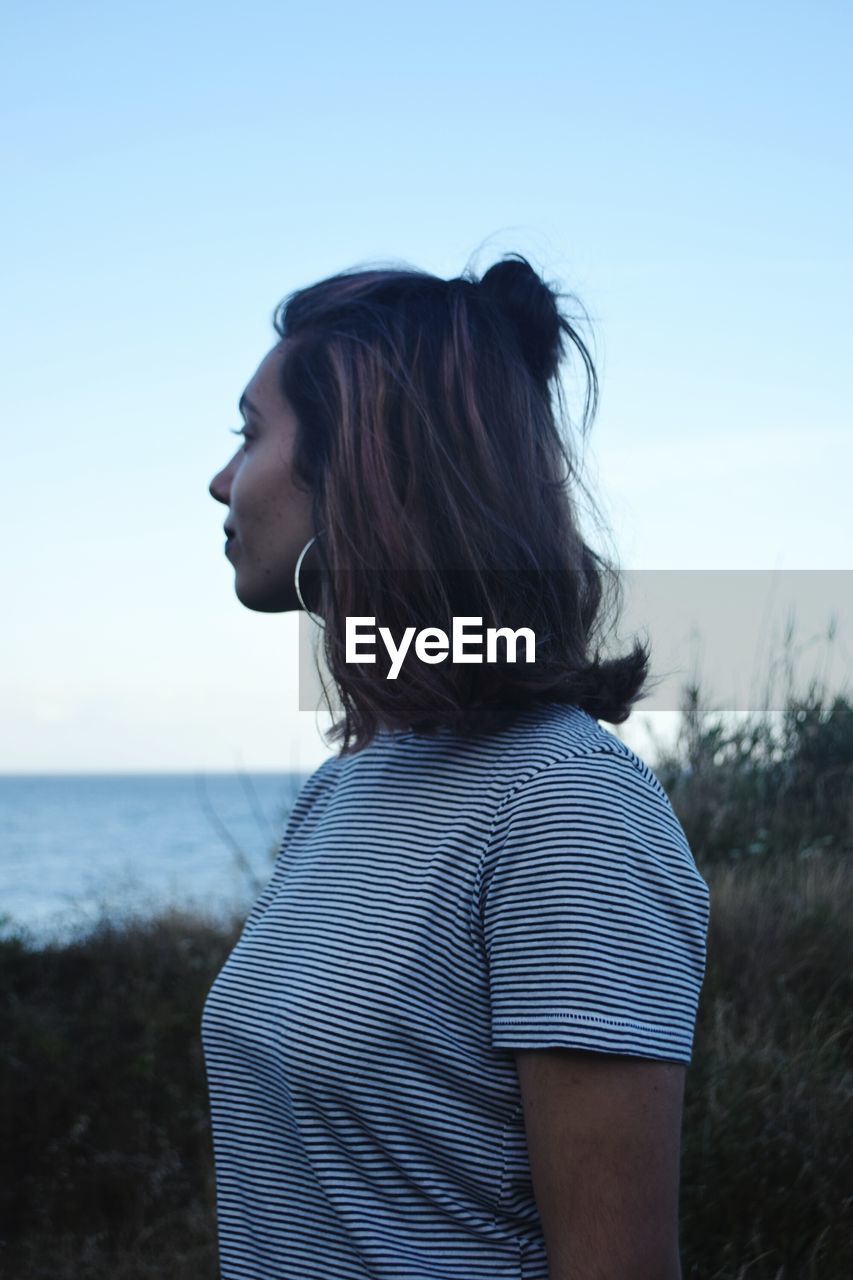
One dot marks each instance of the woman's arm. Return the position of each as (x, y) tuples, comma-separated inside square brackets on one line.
[(604, 1144)]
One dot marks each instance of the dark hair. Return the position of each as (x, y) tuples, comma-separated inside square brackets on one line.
[(428, 438)]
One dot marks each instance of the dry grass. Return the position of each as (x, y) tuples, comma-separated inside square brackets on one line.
[(766, 1166)]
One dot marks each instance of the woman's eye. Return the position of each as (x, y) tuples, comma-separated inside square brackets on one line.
[(241, 431)]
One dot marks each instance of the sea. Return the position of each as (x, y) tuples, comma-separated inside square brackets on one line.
[(77, 848)]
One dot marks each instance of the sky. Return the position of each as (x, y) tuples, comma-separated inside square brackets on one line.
[(172, 171)]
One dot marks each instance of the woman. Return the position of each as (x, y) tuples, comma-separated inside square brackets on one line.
[(451, 1041)]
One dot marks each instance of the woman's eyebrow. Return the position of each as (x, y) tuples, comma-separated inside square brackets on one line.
[(246, 404)]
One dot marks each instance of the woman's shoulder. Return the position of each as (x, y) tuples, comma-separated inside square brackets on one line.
[(566, 770), (556, 734)]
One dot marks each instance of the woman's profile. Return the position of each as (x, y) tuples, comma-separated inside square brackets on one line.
[(451, 1041)]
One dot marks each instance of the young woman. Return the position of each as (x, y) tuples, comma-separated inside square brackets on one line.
[(451, 1041)]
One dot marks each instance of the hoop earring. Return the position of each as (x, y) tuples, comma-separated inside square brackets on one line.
[(314, 617)]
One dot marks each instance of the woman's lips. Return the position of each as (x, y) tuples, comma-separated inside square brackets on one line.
[(229, 543)]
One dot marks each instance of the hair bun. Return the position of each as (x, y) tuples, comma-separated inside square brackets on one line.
[(531, 307)]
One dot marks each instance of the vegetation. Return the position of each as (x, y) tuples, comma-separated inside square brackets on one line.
[(104, 1105)]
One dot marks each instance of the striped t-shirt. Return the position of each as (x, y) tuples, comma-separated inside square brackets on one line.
[(438, 902)]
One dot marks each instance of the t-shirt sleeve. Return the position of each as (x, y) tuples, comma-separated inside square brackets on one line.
[(593, 913)]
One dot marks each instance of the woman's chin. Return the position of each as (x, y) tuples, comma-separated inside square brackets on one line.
[(264, 598)]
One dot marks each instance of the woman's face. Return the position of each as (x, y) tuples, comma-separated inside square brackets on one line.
[(269, 519)]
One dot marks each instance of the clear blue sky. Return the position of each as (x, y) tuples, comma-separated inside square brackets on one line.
[(173, 170)]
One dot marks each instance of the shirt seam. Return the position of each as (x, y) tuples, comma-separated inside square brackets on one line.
[(597, 1019), (600, 748)]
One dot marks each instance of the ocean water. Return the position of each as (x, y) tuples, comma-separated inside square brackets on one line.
[(74, 848)]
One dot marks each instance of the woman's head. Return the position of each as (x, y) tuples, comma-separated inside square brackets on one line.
[(415, 434)]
